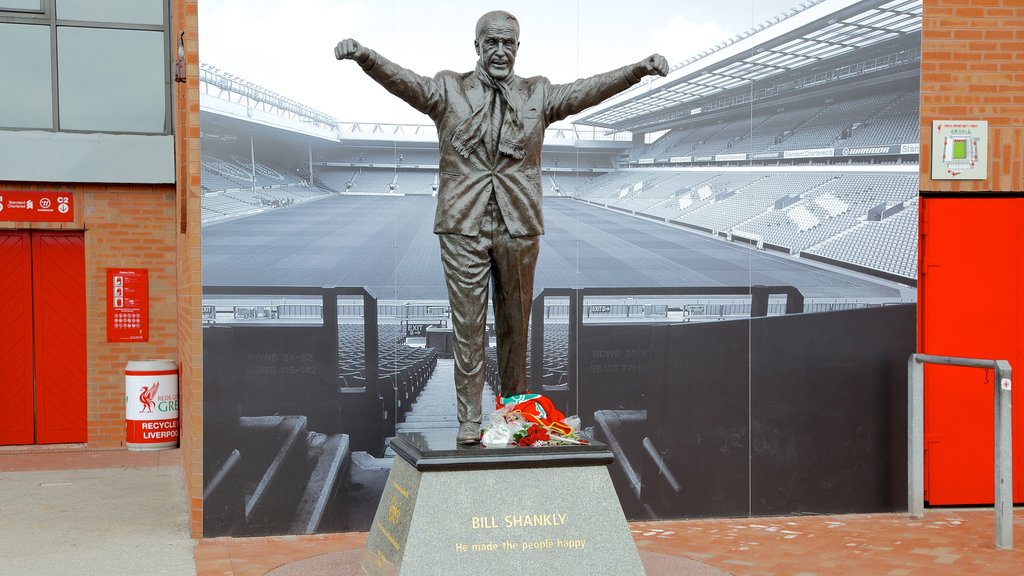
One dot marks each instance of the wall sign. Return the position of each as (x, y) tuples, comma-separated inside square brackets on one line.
[(25, 206), (127, 305), (959, 150)]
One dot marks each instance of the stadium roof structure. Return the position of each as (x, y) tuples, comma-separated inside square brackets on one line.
[(231, 96), (810, 34)]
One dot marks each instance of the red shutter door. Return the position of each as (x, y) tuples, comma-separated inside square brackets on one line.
[(16, 405), (59, 288)]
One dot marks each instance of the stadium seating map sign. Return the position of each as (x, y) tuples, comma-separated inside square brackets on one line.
[(959, 149), (25, 206), (127, 305)]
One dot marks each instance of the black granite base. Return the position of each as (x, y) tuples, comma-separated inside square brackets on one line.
[(437, 450), (448, 509)]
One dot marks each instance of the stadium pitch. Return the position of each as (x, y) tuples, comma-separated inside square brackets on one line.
[(385, 243)]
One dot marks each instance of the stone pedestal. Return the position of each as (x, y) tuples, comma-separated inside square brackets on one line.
[(448, 509)]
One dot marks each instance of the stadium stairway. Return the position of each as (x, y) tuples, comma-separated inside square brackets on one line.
[(284, 463), (364, 475), (434, 408), (290, 480)]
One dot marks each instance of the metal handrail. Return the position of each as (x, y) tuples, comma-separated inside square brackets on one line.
[(1003, 438)]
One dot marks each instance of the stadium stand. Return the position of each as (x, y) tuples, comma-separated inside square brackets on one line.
[(408, 367), (237, 203), (739, 203), (413, 157), (865, 120), (373, 181), (336, 179), (897, 122), (219, 174), (769, 127), (826, 126), (417, 181), (721, 152), (218, 207), (888, 245), (830, 209), (556, 359), (378, 180), (785, 211), (230, 192), (566, 183), (682, 141)]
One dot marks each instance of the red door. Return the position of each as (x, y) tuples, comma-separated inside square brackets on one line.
[(42, 337), (16, 402), (58, 280), (971, 306)]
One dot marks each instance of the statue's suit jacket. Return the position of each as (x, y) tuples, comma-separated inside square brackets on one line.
[(466, 183)]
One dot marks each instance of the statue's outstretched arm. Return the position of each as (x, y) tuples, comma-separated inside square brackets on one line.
[(422, 93), (568, 99)]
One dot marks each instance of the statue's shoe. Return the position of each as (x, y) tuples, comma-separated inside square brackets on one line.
[(469, 433)]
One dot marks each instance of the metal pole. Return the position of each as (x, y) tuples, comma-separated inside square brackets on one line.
[(252, 161), (915, 438), (1004, 455), (1003, 438)]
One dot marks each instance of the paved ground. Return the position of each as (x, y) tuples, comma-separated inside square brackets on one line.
[(951, 542), (114, 513), (87, 513)]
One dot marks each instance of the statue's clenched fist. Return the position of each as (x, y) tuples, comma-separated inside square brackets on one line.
[(349, 49), (655, 64)]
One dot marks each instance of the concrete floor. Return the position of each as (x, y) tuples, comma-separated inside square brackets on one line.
[(107, 513)]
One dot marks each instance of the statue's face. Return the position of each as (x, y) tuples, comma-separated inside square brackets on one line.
[(497, 45)]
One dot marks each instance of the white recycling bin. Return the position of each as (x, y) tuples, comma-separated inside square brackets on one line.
[(151, 404)]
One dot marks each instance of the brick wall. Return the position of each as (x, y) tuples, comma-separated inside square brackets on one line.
[(126, 227), (189, 259), (971, 70)]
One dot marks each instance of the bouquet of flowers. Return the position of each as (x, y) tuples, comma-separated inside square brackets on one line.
[(530, 420)]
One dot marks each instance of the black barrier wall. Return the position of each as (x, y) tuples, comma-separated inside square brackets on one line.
[(779, 415), (801, 413)]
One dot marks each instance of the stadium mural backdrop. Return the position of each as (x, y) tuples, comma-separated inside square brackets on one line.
[(725, 296)]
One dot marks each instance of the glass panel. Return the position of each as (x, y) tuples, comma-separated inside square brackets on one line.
[(121, 11), (27, 99), (111, 80), (21, 5)]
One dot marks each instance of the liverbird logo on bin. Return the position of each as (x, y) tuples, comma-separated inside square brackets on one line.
[(146, 397)]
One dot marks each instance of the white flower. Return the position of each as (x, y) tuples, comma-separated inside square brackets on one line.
[(497, 434)]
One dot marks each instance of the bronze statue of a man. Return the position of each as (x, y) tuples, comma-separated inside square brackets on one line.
[(490, 128)]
